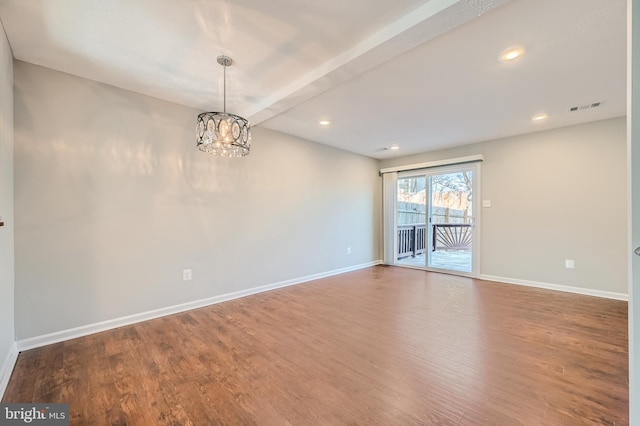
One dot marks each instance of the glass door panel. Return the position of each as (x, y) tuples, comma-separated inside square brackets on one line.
[(451, 221), (411, 221)]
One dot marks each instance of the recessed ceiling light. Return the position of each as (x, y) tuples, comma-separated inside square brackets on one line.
[(394, 147), (324, 122), (511, 53), (539, 117)]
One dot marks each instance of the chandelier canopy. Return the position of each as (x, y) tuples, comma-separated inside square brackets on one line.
[(221, 133)]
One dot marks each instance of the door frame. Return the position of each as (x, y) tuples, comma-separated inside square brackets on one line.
[(633, 198), (476, 207)]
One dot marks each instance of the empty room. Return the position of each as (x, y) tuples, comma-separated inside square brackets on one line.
[(420, 212)]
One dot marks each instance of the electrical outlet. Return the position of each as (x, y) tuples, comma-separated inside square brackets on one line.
[(569, 264), (186, 274)]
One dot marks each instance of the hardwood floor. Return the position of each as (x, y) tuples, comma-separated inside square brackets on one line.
[(380, 346)]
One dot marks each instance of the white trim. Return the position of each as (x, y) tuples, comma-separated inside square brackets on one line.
[(557, 287), (389, 211), (477, 210), (7, 368), (633, 203), (72, 333), (438, 163)]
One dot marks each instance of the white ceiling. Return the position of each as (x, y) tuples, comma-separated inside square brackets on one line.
[(422, 74)]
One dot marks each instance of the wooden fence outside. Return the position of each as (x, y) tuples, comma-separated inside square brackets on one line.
[(410, 213)]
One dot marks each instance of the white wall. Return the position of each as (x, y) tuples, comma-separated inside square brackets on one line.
[(6, 210), (113, 201), (556, 195)]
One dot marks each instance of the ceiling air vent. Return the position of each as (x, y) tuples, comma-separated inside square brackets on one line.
[(585, 106), (381, 150)]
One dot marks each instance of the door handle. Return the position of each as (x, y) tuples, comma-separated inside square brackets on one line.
[(637, 251)]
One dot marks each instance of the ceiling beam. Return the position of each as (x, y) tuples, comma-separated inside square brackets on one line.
[(432, 19)]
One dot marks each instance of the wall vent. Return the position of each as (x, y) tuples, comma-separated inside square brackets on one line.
[(586, 106)]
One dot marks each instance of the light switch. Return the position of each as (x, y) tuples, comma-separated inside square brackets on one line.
[(486, 203)]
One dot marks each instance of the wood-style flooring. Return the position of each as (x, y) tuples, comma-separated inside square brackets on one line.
[(379, 346)]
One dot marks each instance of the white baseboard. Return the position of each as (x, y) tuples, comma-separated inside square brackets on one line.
[(60, 336), (7, 368), (564, 288)]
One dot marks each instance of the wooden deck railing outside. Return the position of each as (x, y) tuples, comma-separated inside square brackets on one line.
[(451, 236), (412, 238)]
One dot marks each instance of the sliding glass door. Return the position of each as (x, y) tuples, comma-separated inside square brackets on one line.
[(436, 219)]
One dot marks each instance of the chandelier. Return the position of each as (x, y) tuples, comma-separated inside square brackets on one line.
[(221, 133)]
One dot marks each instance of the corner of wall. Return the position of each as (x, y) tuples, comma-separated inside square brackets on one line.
[(8, 348)]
